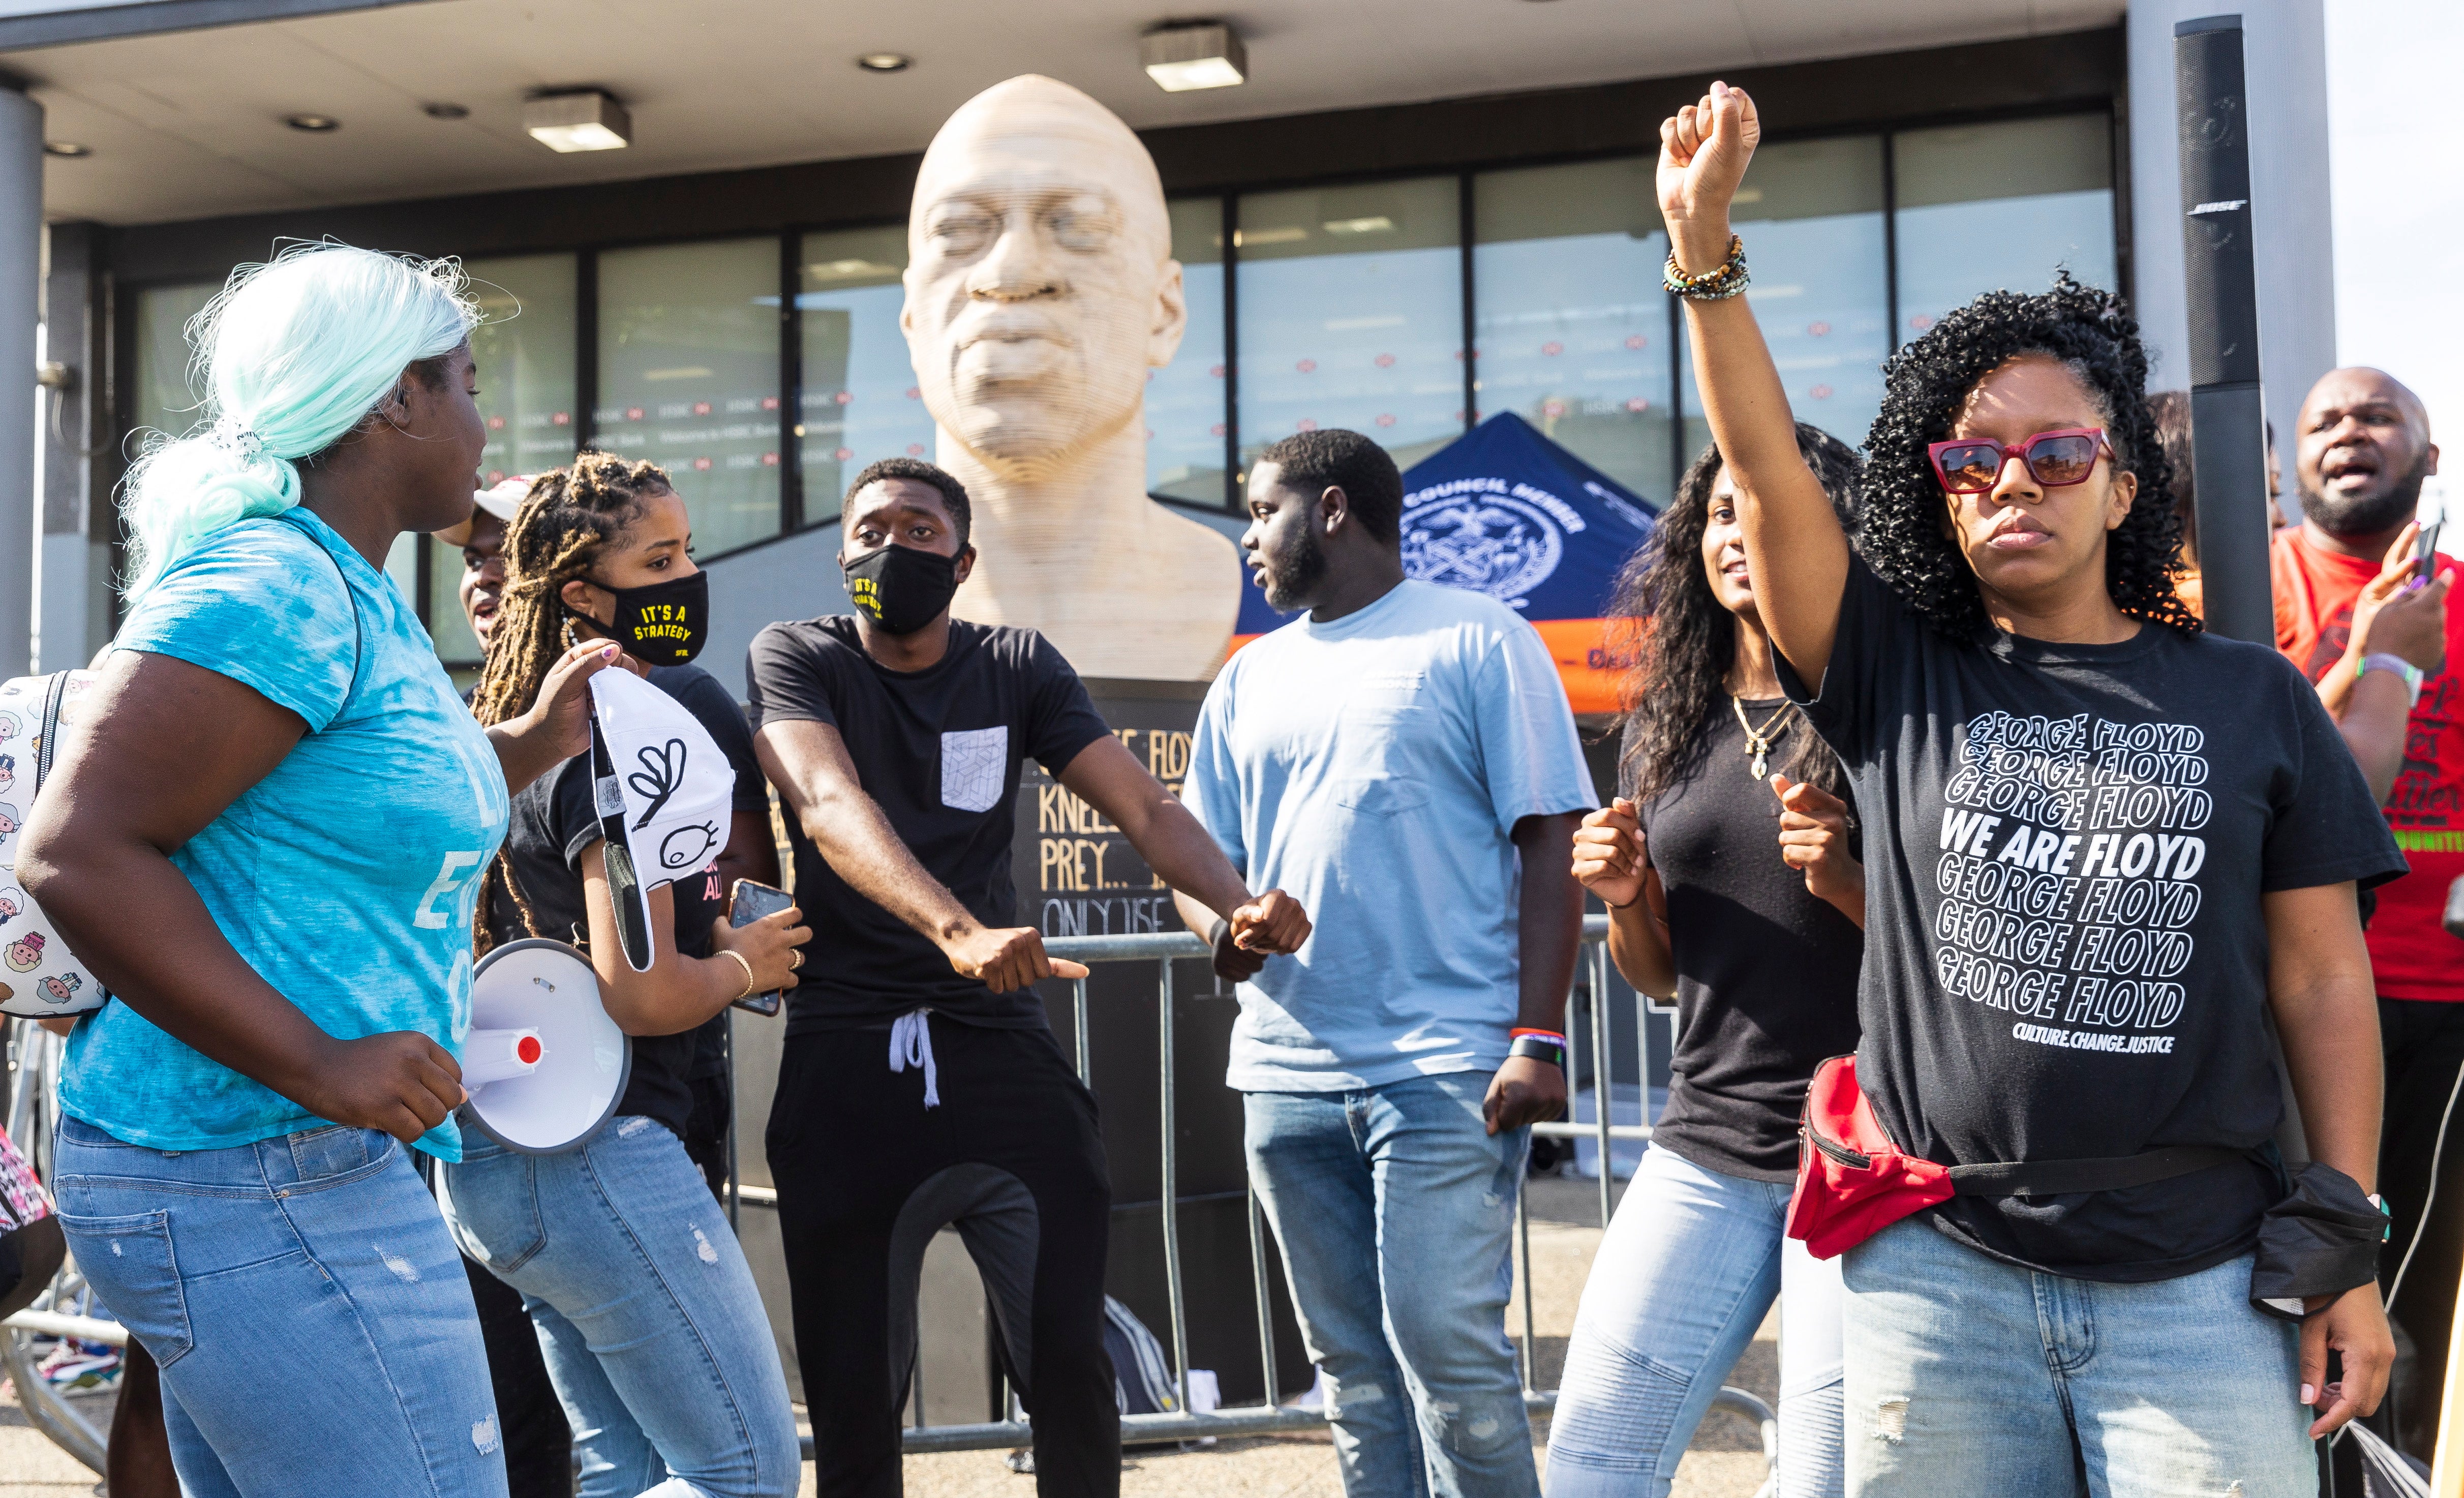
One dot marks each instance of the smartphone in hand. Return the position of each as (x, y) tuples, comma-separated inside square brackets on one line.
[(752, 902)]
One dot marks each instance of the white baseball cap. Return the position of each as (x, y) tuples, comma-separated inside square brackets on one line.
[(504, 496), (499, 500)]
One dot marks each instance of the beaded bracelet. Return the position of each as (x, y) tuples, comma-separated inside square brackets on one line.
[(1718, 285)]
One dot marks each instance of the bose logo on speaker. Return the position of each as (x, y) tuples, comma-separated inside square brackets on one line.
[(2226, 206)]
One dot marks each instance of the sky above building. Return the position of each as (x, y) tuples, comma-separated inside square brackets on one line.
[(2398, 199)]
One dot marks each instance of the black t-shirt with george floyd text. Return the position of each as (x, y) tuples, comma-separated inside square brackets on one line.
[(938, 750), (2065, 952)]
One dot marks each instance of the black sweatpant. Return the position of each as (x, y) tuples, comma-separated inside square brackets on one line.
[(867, 1175), (2424, 1044)]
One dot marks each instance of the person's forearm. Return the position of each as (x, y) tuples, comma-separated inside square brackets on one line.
[(524, 752), (1639, 946), (1851, 902), (2331, 1047), (175, 967), (1791, 533), (2376, 715), (1549, 927), (1185, 857), (677, 992), (863, 848), (2319, 988)]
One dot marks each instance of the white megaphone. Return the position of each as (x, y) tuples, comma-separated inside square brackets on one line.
[(544, 1062)]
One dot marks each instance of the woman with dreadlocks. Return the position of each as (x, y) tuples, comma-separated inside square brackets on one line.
[(646, 1310), (1726, 867), (2102, 849)]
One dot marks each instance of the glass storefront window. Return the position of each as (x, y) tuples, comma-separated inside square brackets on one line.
[(688, 378), (1185, 411), (1998, 206), (860, 403), (165, 401), (526, 351), (1351, 315), (1573, 326), (1811, 215)]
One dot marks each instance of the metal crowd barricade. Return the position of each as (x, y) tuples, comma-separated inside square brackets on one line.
[(1272, 1415), (62, 1309)]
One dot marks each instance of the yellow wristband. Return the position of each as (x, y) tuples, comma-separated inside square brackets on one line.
[(731, 952)]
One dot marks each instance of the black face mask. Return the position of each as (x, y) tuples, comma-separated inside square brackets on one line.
[(663, 624), (900, 588)]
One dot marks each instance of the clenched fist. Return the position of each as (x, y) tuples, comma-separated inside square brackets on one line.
[(1704, 150), (1609, 855), (1814, 840)]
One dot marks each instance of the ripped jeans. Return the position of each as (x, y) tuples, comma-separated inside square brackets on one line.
[(1394, 1208), (646, 1310), (1683, 1277), (1967, 1374), (309, 1313)]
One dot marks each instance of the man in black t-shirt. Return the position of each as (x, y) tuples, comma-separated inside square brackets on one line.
[(920, 1085)]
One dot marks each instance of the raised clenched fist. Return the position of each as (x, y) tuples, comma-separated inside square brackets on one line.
[(1703, 148)]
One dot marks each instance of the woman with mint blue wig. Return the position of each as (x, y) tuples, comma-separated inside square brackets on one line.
[(267, 827)]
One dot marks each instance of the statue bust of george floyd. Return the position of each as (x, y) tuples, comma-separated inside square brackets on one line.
[(1041, 290)]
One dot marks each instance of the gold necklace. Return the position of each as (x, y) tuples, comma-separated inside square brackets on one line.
[(1759, 740)]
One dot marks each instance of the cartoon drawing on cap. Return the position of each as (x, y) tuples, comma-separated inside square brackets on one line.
[(688, 846), (662, 770)]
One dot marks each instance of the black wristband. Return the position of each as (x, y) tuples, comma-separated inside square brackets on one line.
[(1215, 933), (1539, 1048)]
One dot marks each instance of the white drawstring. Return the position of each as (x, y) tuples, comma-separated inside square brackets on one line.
[(911, 1044)]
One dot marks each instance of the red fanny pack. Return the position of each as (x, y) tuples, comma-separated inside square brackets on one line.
[(1853, 1181)]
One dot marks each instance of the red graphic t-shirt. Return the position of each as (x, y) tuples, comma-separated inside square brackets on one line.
[(2411, 952)]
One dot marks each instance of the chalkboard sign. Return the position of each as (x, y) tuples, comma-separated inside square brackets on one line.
[(1077, 875)]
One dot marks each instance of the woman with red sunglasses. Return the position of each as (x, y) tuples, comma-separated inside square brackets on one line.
[(2101, 849)]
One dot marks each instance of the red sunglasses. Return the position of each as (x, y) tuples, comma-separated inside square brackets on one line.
[(2055, 459)]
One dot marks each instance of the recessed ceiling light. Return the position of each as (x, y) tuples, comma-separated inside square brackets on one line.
[(66, 148), (444, 111), (314, 124), (589, 119), (884, 62), (1197, 54)]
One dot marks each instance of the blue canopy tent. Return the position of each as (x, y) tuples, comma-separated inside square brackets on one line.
[(1505, 511)]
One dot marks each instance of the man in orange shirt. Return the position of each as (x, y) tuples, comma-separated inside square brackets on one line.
[(2351, 615)]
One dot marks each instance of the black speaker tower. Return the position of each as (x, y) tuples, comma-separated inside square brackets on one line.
[(2228, 427)]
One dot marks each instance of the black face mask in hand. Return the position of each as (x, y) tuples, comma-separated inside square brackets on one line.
[(663, 624), (900, 588)]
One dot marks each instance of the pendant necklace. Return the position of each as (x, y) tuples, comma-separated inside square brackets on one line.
[(1759, 740)]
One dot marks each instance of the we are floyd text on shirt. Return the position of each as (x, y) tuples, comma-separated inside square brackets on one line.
[(2069, 862)]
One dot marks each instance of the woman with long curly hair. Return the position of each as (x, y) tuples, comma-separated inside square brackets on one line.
[(644, 1307), (1726, 865), (2102, 849)]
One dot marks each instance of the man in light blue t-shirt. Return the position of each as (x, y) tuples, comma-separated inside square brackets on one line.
[(1402, 760)]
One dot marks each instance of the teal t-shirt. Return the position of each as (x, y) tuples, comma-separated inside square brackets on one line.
[(346, 876)]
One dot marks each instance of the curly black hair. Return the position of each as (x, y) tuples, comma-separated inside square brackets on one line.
[(1901, 504), (1667, 620)]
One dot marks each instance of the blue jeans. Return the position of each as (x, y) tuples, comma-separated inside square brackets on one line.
[(1394, 1208), (646, 1313), (1969, 1375), (306, 1306), (1683, 1276)]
